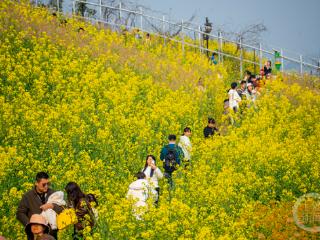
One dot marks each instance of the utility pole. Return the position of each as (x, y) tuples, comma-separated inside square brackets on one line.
[(207, 30)]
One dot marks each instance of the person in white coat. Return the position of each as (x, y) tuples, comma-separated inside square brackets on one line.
[(234, 97), (186, 145), (139, 193), (50, 215), (153, 174)]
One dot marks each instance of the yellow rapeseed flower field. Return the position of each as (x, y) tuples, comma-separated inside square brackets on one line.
[(88, 107)]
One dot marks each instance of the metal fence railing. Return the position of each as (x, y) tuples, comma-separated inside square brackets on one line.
[(118, 16)]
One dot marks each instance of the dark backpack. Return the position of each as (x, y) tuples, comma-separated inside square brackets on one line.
[(170, 160)]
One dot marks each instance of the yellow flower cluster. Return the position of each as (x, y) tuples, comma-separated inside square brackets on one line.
[(88, 107), (66, 217)]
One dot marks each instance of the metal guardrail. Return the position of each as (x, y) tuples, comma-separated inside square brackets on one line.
[(197, 33)]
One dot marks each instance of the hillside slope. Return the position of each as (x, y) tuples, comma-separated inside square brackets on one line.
[(88, 107)]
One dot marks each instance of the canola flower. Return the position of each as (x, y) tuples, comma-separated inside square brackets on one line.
[(67, 217), (89, 108)]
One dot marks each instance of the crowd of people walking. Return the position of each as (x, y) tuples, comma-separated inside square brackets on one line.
[(40, 208), (249, 89)]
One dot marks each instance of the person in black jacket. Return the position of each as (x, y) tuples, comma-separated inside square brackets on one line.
[(210, 129), (241, 91), (267, 70)]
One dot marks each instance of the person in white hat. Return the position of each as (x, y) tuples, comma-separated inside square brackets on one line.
[(36, 227), (251, 93)]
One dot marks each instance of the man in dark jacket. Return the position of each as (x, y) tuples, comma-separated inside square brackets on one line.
[(210, 129), (173, 151), (35, 201)]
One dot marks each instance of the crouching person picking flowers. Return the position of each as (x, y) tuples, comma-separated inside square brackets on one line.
[(139, 193)]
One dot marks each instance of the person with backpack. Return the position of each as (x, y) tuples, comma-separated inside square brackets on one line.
[(171, 155), (153, 174)]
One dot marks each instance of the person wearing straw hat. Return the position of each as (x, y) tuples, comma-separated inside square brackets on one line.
[(45, 237), (37, 227)]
